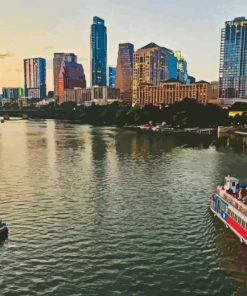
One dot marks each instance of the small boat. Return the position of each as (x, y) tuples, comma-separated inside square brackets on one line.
[(3, 231), (229, 204), (146, 127)]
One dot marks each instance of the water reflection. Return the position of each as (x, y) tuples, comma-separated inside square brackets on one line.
[(106, 211), (69, 136), (147, 144), (231, 255), (234, 143)]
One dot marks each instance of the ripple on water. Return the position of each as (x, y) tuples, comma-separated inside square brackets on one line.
[(98, 211)]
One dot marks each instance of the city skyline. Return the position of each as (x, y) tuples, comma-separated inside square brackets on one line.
[(176, 26)]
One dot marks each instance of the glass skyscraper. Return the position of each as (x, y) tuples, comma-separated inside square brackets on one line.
[(112, 77), (233, 59), (98, 52)]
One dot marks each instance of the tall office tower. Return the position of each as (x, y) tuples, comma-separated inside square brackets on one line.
[(151, 65), (35, 78), (98, 52), (57, 62), (112, 77), (124, 73), (71, 75), (233, 59)]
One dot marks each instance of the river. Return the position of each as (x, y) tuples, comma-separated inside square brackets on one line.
[(106, 211)]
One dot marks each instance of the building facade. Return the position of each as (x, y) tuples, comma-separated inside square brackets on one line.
[(112, 77), (215, 90), (71, 75), (98, 95), (182, 72), (124, 74), (151, 65), (233, 59), (57, 62), (35, 78), (98, 52), (172, 91), (12, 92)]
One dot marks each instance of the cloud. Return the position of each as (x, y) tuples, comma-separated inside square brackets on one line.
[(4, 55)]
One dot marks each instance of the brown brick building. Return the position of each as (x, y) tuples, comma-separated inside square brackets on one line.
[(172, 91), (124, 74)]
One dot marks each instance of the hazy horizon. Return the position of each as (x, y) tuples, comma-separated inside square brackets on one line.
[(42, 28)]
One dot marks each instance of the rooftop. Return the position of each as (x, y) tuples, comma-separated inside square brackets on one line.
[(98, 21), (202, 81), (150, 45), (154, 45)]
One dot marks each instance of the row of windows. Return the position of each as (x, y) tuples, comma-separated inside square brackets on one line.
[(237, 219)]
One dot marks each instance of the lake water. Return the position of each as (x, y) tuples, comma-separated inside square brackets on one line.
[(105, 211)]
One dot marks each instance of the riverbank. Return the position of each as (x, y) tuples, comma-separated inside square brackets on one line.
[(170, 130), (185, 114)]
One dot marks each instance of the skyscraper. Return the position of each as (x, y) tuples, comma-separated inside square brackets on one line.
[(112, 77), (71, 75), (151, 65), (98, 52), (124, 73), (35, 78), (57, 62), (233, 59)]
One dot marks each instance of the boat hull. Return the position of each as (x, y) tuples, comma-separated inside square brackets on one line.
[(234, 227)]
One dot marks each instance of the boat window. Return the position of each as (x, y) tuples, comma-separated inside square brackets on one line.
[(243, 223), (239, 220)]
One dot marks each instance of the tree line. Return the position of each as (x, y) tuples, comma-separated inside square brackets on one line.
[(186, 113)]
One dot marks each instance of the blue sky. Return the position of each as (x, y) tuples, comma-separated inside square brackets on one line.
[(32, 28)]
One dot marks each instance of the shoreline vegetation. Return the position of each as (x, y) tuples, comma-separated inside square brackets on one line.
[(185, 114)]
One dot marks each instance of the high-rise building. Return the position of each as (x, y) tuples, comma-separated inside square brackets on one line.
[(233, 59), (151, 65), (98, 52), (35, 78), (124, 75), (57, 62), (112, 77), (12, 92), (71, 75)]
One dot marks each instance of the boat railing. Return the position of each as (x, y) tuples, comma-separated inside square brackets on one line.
[(239, 205)]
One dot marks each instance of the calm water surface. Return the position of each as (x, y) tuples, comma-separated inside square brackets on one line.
[(103, 211)]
